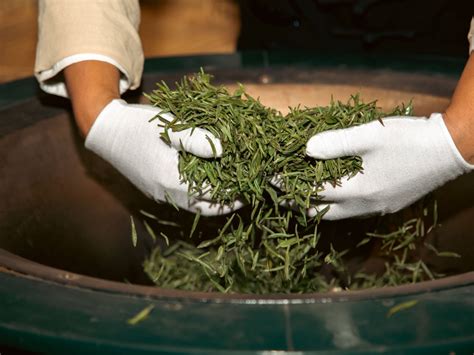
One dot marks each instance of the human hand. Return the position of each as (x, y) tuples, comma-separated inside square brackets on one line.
[(123, 136), (403, 160)]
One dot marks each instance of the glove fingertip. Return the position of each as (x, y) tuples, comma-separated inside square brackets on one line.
[(213, 149), (277, 181), (199, 142), (330, 192), (209, 209), (315, 210), (204, 144), (206, 149), (323, 146)]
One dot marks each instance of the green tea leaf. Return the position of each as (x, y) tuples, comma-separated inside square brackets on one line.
[(140, 316)]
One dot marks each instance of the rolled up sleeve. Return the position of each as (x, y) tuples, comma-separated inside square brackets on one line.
[(80, 29)]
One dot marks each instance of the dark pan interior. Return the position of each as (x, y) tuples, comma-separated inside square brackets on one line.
[(63, 207)]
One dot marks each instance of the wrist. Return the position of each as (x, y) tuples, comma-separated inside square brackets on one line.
[(459, 116), (87, 111), (461, 128), (91, 86)]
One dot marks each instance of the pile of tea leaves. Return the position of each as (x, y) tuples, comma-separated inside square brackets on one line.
[(268, 247)]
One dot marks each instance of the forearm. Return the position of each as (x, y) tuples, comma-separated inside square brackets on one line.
[(91, 85), (459, 116)]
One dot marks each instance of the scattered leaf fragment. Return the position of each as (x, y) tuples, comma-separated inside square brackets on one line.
[(140, 316), (400, 307), (134, 232)]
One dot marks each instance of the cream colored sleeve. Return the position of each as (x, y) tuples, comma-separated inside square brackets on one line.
[(470, 36), (73, 30)]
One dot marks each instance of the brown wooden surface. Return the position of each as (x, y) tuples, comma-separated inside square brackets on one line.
[(168, 27), (17, 38)]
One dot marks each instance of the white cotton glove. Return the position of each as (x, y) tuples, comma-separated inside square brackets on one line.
[(123, 135), (403, 160)]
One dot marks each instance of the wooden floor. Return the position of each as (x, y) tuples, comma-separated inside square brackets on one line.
[(168, 27)]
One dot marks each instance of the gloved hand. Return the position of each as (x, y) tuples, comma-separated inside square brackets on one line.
[(123, 136), (403, 160)]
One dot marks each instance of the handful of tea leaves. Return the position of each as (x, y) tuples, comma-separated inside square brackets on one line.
[(266, 248)]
